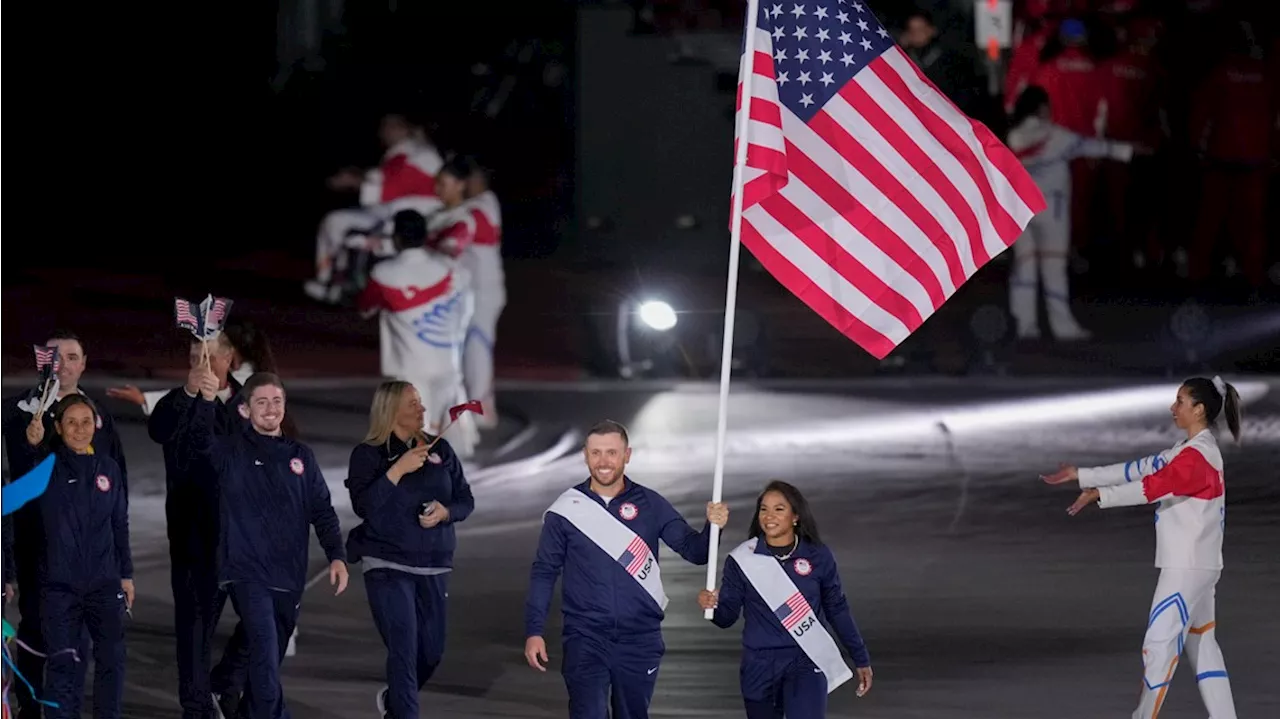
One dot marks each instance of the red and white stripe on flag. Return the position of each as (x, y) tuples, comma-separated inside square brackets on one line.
[(866, 192)]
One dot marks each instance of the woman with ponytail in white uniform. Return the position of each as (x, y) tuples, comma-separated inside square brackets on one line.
[(1040, 255), (1187, 483)]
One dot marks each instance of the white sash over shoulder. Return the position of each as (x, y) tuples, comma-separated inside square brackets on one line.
[(615, 538), (792, 610)]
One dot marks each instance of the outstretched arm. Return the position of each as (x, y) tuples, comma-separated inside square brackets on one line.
[(1188, 475), (1132, 471), (691, 545)]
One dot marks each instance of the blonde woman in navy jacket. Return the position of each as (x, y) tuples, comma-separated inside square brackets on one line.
[(780, 675), (409, 499)]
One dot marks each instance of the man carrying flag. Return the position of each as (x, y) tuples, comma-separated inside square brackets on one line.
[(602, 535), (857, 184)]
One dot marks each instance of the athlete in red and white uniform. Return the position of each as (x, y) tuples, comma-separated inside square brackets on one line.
[(423, 297), (472, 227), (1187, 484), (1046, 150), (405, 180)]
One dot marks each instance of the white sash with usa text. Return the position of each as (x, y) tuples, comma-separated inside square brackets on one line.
[(615, 538), (771, 581)]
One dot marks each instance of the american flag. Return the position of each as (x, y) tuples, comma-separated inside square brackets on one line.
[(793, 611), (186, 316), (866, 192), (46, 357), (215, 311), (471, 406), (634, 556)]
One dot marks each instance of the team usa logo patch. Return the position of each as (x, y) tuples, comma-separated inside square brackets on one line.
[(628, 511), (103, 482), (434, 458), (296, 465), (803, 567)]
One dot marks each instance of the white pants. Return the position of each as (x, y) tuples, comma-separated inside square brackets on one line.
[(1040, 260), (439, 392), (332, 237), (477, 352), (1182, 621)]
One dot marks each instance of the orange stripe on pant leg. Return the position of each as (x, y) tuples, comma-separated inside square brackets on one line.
[(1160, 697), (1202, 629)]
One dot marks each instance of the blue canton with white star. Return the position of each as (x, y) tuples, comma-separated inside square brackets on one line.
[(818, 46)]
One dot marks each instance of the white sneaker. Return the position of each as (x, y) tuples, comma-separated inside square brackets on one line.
[(292, 648), (381, 700), (317, 290)]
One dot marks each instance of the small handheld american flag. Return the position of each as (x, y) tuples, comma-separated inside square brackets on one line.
[(455, 412), (47, 358), (214, 310), (205, 320), (185, 316), (471, 406)]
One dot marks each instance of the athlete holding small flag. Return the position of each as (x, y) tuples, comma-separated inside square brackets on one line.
[(783, 580), (603, 536)]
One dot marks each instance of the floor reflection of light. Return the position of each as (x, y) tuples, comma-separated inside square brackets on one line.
[(917, 423)]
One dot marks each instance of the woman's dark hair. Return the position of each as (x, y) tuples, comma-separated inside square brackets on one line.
[(251, 343), (1029, 103), (61, 406), (806, 525), (1203, 391)]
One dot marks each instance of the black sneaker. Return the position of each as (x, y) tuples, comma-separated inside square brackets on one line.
[(226, 705)]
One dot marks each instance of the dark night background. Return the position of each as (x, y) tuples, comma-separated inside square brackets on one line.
[(184, 151)]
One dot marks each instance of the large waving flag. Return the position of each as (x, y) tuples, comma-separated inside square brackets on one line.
[(866, 192)]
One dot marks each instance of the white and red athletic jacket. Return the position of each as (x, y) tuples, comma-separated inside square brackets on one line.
[(473, 231), (1187, 482), (406, 179), (424, 300), (1046, 151)]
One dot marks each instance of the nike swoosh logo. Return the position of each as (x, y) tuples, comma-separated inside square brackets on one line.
[(817, 671), (651, 671), (257, 463), (392, 459)]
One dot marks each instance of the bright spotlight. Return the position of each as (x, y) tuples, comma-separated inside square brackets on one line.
[(658, 315)]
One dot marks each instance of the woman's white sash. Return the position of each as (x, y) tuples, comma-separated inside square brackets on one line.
[(792, 610), (615, 538)]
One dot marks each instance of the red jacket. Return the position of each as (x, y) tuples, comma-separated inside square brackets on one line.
[(1133, 87), (1071, 79), (1233, 112), (1023, 65)]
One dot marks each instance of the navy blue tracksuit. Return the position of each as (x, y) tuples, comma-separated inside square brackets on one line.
[(192, 521), (408, 606), (26, 527), (777, 677), (85, 555), (271, 493), (612, 628)]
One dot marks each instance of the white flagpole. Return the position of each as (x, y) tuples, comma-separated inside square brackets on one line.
[(745, 69)]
